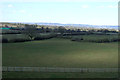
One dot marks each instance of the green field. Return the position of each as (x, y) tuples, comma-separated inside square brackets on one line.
[(58, 75), (61, 53)]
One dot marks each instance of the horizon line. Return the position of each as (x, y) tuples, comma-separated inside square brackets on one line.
[(60, 23)]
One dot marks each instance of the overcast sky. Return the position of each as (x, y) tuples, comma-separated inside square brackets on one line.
[(97, 12)]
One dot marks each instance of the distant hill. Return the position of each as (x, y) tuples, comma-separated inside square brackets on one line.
[(74, 25)]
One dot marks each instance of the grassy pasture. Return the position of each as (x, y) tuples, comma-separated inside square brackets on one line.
[(61, 53), (58, 52), (58, 75)]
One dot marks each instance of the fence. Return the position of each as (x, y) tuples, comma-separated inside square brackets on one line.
[(58, 69)]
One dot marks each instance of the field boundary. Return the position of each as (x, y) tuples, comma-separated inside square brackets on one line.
[(57, 69)]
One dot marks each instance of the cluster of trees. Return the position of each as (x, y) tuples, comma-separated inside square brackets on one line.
[(63, 30), (29, 33), (6, 40), (34, 33)]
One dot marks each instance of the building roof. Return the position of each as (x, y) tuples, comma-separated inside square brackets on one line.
[(4, 28)]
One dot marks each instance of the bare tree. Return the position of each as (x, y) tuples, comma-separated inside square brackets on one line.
[(31, 31), (62, 30)]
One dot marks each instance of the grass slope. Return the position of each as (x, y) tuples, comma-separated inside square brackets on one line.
[(60, 53), (58, 75)]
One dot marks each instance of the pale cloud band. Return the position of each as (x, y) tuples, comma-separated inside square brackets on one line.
[(59, 0), (10, 5), (85, 6), (109, 6)]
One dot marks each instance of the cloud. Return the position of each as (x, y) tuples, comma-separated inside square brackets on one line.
[(85, 6), (101, 6), (112, 6), (14, 11), (30, 15), (22, 11), (10, 5), (108, 6)]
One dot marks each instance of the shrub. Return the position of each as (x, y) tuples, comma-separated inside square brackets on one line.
[(17, 40), (4, 40), (77, 39), (14, 38), (96, 38), (44, 36)]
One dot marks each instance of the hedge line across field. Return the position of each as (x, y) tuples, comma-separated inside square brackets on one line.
[(102, 40), (11, 38)]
